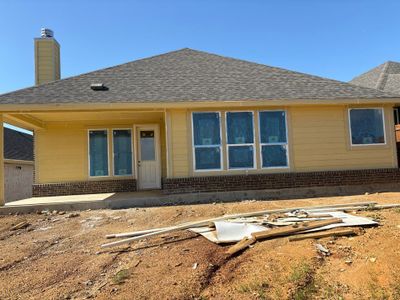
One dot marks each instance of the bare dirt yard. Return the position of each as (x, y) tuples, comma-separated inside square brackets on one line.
[(59, 257)]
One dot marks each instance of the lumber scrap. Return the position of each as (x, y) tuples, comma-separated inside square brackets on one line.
[(20, 225), (233, 216), (318, 235), (294, 228), (241, 245), (278, 232)]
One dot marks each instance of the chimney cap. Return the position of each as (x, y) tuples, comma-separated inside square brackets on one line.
[(46, 33)]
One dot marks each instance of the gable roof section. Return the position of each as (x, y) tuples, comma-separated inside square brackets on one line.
[(385, 77), (17, 145), (188, 75)]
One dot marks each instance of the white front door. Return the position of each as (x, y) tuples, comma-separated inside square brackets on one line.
[(148, 157)]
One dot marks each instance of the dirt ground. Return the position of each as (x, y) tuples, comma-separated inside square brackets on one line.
[(59, 257)]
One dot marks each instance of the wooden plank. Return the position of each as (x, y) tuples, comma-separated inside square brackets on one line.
[(294, 228), (279, 232), (318, 235), (20, 225), (241, 245)]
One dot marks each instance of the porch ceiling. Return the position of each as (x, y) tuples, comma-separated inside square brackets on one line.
[(136, 116)]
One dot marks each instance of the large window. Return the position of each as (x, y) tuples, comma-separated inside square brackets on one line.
[(98, 153), (122, 150), (240, 140), (273, 139), (207, 141), (367, 126)]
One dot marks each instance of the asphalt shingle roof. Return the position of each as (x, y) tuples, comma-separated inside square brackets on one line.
[(385, 77), (17, 145), (189, 75)]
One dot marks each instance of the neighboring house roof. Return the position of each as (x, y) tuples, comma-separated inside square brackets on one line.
[(385, 77), (189, 75), (17, 145)]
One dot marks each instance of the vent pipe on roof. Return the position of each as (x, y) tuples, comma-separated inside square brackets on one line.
[(47, 57)]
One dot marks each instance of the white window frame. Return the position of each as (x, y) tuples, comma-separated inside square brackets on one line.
[(383, 124), (207, 146), (108, 151), (113, 154), (274, 144), (245, 144)]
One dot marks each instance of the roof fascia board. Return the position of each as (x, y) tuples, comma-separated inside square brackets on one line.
[(24, 121), (157, 106)]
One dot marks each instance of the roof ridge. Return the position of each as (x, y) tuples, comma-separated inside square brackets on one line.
[(284, 70), (380, 84), (192, 75), (97, 70)]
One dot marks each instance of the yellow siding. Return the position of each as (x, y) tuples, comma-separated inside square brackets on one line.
[(179, 140), (320, 141), (61, 149), (61, 154), (47, 60)]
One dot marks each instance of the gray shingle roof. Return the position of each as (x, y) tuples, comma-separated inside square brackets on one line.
[(189, 75), (385, 77), (17, 145)]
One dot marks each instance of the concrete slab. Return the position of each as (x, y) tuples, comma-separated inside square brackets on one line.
[(156, 198)]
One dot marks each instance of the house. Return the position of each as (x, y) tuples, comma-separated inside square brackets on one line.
[(18, 164), (385, 77), (188, 121)]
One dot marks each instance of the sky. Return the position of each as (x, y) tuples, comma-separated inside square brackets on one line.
[(338, 39)]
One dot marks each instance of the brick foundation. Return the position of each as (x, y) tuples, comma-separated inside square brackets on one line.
[(84, 187), (279, 181)]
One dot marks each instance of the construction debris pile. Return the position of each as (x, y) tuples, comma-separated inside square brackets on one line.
[(245, 229)]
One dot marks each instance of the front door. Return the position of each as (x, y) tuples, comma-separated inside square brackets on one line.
[(148, 157)]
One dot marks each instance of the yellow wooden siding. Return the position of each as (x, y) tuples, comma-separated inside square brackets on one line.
[(321, 141), (47, 60), (61, 150), (318, 140), (179, 140), (61, 154)]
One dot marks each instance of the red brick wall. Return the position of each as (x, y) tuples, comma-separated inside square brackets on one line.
[(84, 187), (278, 181)]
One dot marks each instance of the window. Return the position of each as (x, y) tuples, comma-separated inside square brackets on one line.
[(240, 140), (207, 141), (147, 146), (273, 139), (98, 153), (122, 148), (366, 126)]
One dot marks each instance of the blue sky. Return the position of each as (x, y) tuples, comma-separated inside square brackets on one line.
[(332, 38)]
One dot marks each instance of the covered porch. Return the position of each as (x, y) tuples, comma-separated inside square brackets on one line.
[(91, 152)]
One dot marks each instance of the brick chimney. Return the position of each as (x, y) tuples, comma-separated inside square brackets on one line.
[(47, 57)]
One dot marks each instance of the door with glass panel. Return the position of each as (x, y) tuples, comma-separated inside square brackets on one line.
[(148, 157)]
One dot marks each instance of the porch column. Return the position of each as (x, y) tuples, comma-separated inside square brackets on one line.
[(2, 199)]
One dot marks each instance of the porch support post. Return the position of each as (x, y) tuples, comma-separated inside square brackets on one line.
[(2, 198)]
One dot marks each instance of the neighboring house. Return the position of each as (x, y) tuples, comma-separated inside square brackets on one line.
[(191, 121), (385, 77), (18, 165)]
